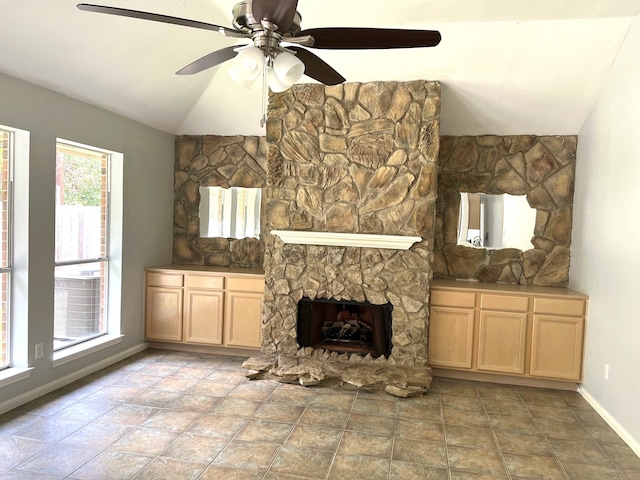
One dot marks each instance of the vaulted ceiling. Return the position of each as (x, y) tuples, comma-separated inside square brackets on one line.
[(506, 66)]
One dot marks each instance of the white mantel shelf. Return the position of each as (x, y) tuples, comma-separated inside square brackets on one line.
[(364, 240)]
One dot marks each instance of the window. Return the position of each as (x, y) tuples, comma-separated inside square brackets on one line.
[(81, 244), (6, 160)]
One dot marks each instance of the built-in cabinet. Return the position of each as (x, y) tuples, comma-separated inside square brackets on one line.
[(534, 332), (205, 306)]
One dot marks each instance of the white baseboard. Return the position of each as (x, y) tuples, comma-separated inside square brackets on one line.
[(67, 379), (613, 423)]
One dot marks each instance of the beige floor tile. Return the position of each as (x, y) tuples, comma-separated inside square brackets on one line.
[(196, 403), (476, 460), (477, 437), (247, 455), (325, 417), (14, 421), (86, 410), (279, 412), (585, 471), (218, 426), (311, 436), (215, 472), (498, 392), (523, 443), (359, 468), (354, 443), (176, 384), (111, 465), (194, 448), (59, 459), (15, 450), (302, 462), (174, 420), (211, 388), (265, 431), (334, 401), (375, 425), (462, 475), (155, 398), (298, 397), (18, 474), (375, 407), (559, 414), (51, 429), (586, 451), (433, 454), (506, 407), (145, 441), (533, 466), (416, 471), (541, 396), (419, 429), (170, 469), (127, 414), (97, 435), (472, 418), (513, 423), (252, 391), (432, 413), (236, 407), (462, 402), (556, 429), (454, 387)]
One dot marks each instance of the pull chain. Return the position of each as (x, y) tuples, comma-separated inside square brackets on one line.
[(265, 91)]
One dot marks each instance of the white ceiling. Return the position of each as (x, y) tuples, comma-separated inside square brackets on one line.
[(506, 66)]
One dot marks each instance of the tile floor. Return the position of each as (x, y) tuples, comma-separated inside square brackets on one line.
[(171, 415)]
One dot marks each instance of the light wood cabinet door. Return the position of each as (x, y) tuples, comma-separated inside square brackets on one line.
[(203, 310), (502, 340), (164, 314), (451, 337), (556, 347), (243, 319)]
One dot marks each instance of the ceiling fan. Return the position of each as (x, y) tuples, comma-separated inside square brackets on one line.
[(273, 28)]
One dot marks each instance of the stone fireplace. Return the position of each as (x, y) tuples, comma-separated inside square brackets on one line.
[(357, 159)]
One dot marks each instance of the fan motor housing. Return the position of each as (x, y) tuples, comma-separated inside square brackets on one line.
[(244, 21)]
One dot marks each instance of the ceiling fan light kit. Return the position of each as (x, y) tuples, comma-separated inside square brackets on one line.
[(279, 48)]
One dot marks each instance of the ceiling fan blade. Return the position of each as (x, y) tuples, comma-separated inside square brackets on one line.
[(208, 61), (123, 12), (371, 38), (317, 68), (280, 12)]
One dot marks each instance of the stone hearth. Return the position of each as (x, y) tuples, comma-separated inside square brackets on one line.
[(353, 158)]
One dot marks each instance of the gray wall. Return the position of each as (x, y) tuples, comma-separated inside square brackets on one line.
[(604, 255), (147, 223)]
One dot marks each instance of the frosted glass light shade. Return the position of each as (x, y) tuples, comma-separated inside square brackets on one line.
[(247, 66), (275, 84), (288, 68)]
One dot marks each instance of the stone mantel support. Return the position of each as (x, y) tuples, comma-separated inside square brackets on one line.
[(335, 239)]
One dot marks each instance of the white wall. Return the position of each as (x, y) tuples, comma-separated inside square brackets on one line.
[(605, 263), (147, 224)]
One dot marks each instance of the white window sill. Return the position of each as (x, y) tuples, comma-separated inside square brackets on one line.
[(85, 348), (13, 374)]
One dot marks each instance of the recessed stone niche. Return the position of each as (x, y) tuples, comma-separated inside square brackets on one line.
[(204, 161), (543, 169), (353, 158)]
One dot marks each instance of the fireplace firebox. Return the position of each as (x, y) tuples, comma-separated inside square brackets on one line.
[(345, 326)]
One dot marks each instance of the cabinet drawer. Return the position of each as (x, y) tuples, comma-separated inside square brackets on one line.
[(453, 299), (504, 302), (204, 281), (156, 279), (246, 284), (554, 306)]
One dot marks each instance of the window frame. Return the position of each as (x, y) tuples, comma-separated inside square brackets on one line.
[(8, 269), (88, 151)]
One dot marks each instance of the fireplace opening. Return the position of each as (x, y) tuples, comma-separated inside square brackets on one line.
[(345, 326)]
